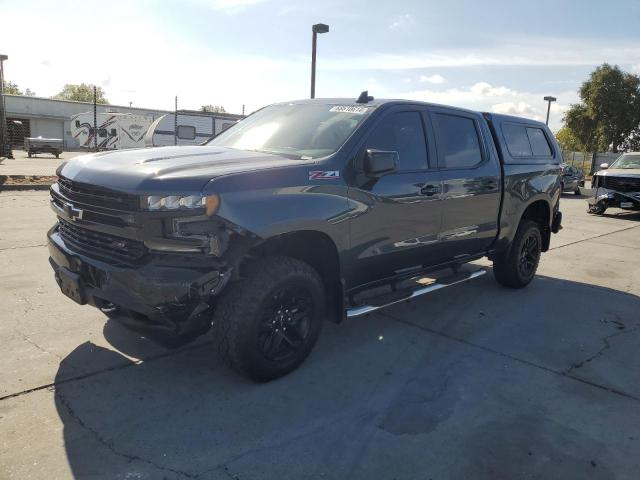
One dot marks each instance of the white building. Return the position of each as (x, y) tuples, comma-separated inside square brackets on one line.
[(49, 118)]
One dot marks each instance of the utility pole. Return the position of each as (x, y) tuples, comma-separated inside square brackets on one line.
[(175, 123), (5, 144), (243, 109), (315, 29), (95, 119), (550, 100)]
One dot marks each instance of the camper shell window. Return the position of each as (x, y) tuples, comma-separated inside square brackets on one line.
[(186, 132)]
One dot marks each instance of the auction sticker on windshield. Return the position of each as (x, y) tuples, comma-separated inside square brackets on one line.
[(349, 109)]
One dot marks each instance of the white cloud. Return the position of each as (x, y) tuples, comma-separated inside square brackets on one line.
[(514, 108), (150, 77), (435, 79), (532, 51), (482, 96), (401, 21), (636, 69)]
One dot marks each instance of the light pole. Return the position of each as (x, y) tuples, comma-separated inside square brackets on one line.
[(549, 99), (5, 147), (316, 29)]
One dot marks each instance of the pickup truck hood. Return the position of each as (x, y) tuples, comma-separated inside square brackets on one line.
[(166, 169), (620, 172)]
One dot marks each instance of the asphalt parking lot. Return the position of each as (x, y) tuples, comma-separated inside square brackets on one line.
[(475, 381)]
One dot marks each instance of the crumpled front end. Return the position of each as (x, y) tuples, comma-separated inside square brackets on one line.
[(163, 270), (615, 192)]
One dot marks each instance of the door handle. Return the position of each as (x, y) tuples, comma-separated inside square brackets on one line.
[(430, 190)]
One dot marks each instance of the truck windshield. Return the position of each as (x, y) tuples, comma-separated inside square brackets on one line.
[(302, 131), (628, 160)]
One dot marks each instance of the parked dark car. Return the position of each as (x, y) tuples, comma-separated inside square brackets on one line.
[(304, 211), (617, 185), (572, 179)]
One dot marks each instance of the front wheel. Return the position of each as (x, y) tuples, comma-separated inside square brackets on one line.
[(267, 324), (517, 268)]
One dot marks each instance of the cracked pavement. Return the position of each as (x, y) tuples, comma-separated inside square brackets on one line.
[(474, 381)]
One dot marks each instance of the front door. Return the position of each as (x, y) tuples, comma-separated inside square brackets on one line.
[(396, 220)]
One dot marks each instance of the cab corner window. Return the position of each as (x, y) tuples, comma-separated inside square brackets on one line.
[(539, 143), (458, 141), (401, 132), (517, 140)]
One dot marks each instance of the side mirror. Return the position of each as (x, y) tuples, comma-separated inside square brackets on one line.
[(377, 162), (604, 166)]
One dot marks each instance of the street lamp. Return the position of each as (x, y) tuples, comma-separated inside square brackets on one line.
[(316, 29), (549, 99), (5, 149)]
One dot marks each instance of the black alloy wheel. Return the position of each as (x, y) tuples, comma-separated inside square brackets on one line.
[(286, 323), (529, 255)]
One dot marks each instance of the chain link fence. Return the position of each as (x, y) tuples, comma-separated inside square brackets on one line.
[(587, 162)]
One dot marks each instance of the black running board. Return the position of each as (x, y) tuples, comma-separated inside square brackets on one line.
[(438, 285)]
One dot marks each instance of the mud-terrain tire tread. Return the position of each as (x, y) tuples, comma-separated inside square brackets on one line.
[(238, 306), (505, 267)]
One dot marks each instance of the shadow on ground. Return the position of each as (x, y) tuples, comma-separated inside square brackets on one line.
[(474, 382)]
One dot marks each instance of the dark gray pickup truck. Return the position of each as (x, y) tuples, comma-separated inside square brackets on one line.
[(304, 211)]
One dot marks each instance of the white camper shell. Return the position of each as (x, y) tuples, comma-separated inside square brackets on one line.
[(193, 128), (115, 130)]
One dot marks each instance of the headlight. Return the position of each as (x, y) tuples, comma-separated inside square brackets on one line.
[(179, 202)]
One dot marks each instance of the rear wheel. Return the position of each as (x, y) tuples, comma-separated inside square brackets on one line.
[(517, 268), (267, 324)]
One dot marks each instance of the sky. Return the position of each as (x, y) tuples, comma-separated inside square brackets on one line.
[(491, 55)]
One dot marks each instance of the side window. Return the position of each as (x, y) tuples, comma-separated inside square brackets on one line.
[(458, 142), (539, 143), (401, 132), (517, 140), (186, 132)]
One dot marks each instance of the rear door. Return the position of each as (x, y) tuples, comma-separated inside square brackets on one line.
[(470, 173), (397, 227)]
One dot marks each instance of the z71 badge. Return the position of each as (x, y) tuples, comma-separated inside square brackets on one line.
[(324, 174)]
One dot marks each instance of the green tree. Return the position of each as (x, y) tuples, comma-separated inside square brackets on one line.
[(568, 140), (584, 129), (11, 88), (213, 109), (609, 111), (81, 93)]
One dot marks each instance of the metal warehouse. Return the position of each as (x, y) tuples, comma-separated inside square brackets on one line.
[(50, 118)]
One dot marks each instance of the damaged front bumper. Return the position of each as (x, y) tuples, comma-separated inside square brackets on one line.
[(605, 198), (167, 301)]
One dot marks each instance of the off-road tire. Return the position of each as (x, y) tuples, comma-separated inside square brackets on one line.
[(240, 313), (507, 268)]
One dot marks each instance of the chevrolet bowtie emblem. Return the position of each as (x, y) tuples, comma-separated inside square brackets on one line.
[(73, 212)]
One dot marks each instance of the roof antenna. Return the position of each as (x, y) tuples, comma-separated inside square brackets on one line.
[(364, 97)]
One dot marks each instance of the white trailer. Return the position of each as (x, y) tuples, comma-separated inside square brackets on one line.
[(193, 128), (115, 130)]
